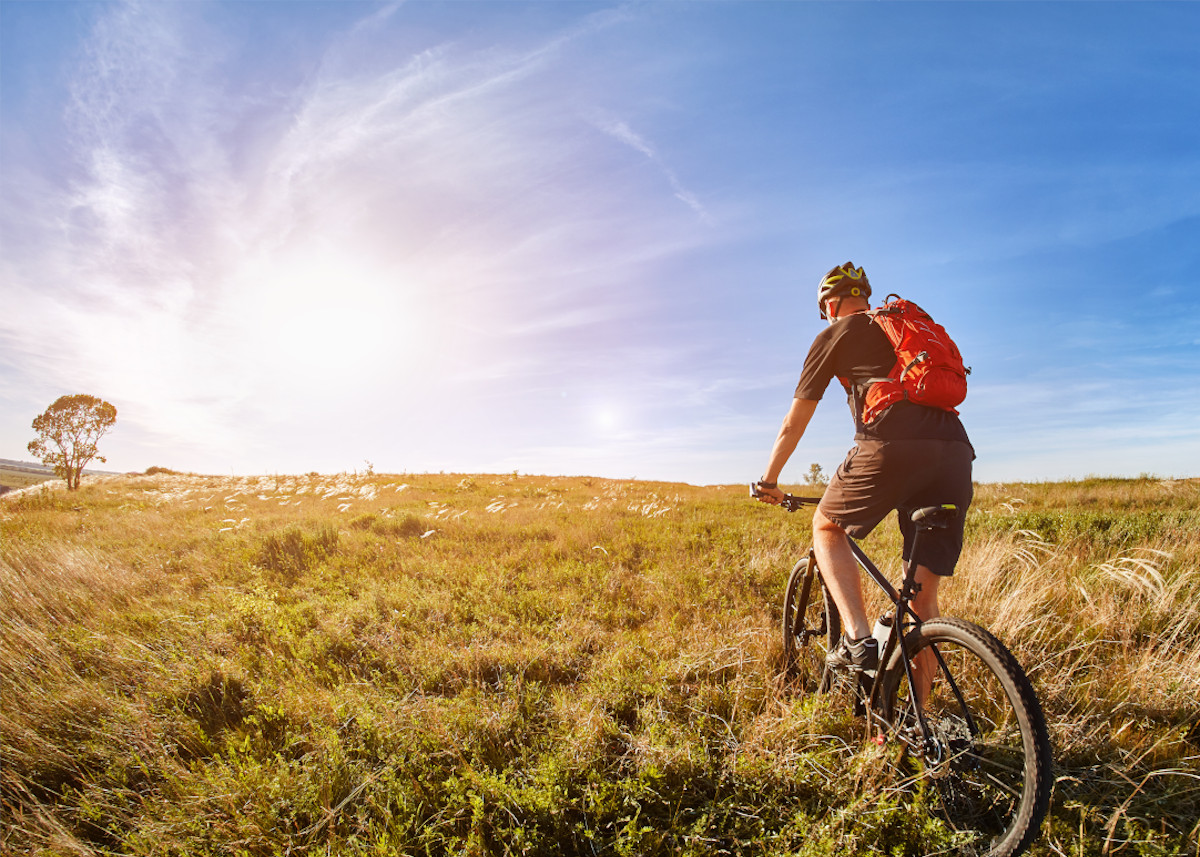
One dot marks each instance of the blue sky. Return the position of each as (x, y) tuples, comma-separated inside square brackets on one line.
[(577, 238)]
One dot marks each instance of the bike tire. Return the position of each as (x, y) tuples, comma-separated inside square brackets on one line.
[(811, 626), (986, 769)]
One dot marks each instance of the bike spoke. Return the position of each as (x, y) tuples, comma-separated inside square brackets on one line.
[(973, 752), (1015, 768), (809, 623)]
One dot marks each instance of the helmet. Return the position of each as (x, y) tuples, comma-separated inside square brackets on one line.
[(842, 281)]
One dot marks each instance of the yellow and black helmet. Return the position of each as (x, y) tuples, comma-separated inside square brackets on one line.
[(842, 281)]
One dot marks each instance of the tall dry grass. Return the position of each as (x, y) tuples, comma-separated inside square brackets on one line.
[(484, 664)]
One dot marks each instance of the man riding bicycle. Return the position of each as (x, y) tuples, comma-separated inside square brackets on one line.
[(911, 456)]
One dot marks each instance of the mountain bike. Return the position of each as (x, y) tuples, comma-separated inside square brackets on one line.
[(971, 743)]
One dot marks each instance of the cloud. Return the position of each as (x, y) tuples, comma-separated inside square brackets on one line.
[(403, 223), (379, 228), (620, 131)]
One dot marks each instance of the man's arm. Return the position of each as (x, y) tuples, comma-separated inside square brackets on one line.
[(790, 433)]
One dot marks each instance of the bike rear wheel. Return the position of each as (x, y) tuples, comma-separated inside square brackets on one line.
[(984, 765), (811, 625)]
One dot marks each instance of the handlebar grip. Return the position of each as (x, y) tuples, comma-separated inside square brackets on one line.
[(790, 502)]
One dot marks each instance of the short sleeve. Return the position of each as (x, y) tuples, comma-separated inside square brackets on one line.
[(819, 367)]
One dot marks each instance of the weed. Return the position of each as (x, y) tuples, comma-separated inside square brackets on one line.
[(295, 550)]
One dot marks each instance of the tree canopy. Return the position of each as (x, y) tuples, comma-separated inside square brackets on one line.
[(68, 432)]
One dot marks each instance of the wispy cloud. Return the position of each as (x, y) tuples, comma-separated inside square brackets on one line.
[(620, 131), (377, 228), (395, 223)]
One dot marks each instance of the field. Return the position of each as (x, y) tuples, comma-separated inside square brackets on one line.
[(449, 664), (14, 478)]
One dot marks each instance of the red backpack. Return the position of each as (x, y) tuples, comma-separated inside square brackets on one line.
[(929, 368)]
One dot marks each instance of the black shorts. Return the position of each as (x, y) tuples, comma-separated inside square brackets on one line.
[(879, 476)]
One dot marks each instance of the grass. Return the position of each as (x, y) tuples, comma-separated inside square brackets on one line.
[(14, 479), (353, 665)]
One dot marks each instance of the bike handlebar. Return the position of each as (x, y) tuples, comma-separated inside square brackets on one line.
[(790, 502)]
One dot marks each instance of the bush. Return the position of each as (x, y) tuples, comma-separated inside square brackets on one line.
[(294, 550), (406, 527)]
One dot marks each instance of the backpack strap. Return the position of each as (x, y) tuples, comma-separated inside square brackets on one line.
[(920, 358), (885, 308)]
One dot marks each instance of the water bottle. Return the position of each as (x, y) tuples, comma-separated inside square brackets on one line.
[(882, 630)]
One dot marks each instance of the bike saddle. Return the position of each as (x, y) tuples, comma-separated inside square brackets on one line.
[(935, 516)]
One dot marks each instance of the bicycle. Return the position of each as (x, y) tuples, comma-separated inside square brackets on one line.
[(975, 747)]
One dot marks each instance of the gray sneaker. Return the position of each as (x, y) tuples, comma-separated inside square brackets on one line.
[(854, 654)]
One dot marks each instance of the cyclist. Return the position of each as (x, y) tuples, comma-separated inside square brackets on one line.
[(911, 456)]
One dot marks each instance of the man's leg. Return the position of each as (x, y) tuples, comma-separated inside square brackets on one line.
[(840, 572), (925, 605), (925, 602), (949, 466)]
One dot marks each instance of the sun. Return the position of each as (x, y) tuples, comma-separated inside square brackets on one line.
[(606, 417), (332, 317)]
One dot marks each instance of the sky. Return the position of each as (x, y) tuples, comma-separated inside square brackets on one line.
[(572, 238)]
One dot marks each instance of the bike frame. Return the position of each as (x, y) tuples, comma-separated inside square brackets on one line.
[(978, 787), (904, 618)]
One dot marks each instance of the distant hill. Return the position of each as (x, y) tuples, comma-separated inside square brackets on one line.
[(22, 474), (25, 466)]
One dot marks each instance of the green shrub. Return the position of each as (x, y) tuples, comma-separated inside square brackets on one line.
[(294, 550)]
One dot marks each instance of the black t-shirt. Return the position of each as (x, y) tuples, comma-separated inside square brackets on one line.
[(857, 349)]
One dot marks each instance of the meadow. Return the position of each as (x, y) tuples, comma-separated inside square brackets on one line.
[(14, 478), (470, 665)]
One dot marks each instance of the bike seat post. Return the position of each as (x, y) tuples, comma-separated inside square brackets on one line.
[(909, 588), (926, 518)]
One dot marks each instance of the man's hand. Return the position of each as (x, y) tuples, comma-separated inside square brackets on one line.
[(770, 495), (767, 494)]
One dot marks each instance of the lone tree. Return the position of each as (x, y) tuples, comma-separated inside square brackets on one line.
[(68, 432)]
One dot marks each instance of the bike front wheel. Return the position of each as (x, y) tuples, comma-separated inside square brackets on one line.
[(811, 626), (982, 762)]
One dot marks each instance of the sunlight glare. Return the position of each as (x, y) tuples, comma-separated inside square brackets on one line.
[(606, 418), (333, 318)]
